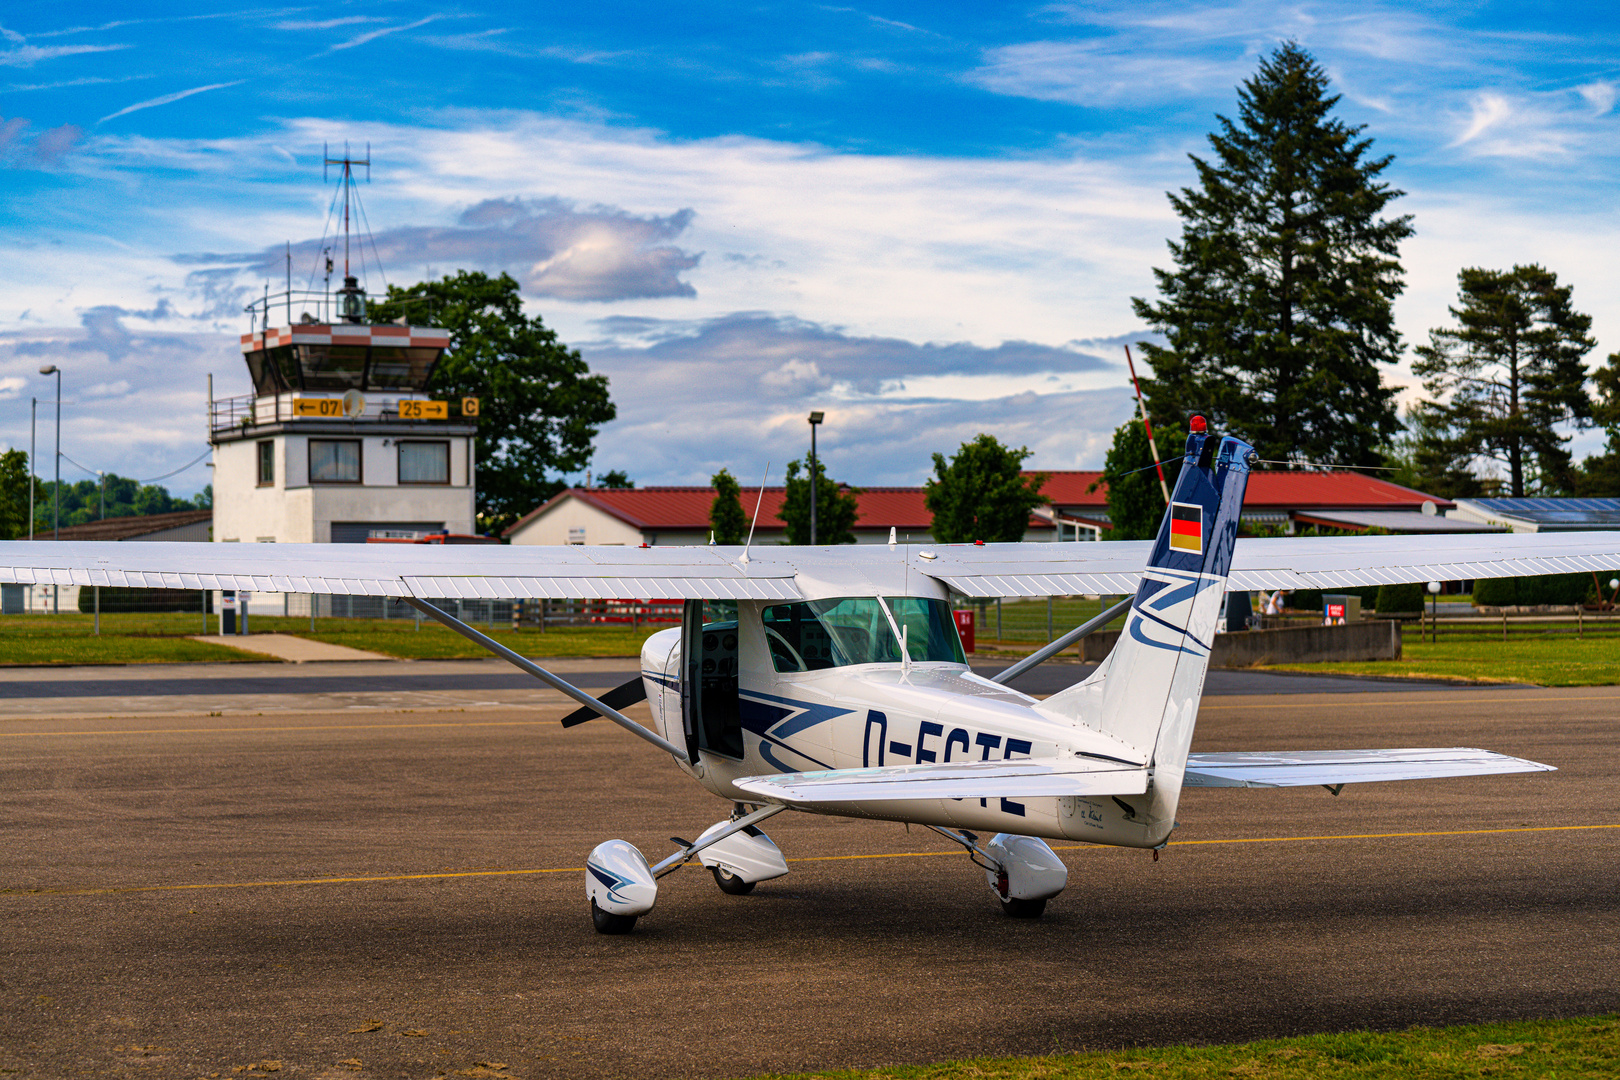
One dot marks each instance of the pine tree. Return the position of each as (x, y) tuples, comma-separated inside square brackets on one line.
[(726, 516), (1512, 368), (1599, 475), (1280, 308), (982, 493), (1428, 458)]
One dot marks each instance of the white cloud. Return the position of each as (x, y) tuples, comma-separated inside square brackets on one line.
[(918, 300), (373, 35), (1599, 96), (1100, 72), (168, 99), (12, 385), (29, 55)]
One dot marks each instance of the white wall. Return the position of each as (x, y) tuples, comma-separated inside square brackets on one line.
[(292, 511)]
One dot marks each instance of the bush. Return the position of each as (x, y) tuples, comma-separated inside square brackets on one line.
[(1544, 589), (117, 599), (1405, 597)]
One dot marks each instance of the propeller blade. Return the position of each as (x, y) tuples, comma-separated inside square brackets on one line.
[(620, 697)]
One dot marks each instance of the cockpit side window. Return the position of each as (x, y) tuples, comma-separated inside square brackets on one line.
[(819, 634), (930, 628)]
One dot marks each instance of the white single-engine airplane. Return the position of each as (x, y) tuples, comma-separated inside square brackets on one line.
[(832, 680)]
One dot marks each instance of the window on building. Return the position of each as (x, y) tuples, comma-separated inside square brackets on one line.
[(267, 463), (424, 462), (334, 461)]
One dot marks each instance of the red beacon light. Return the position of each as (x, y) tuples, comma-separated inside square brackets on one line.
[(1197, 425)]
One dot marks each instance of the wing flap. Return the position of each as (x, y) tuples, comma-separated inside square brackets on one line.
[(1026, 778), (1298, 768)]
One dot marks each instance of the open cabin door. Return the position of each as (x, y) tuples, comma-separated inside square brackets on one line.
[(710, 717)]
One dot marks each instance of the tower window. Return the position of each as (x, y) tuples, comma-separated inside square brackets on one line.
[(424, 462), (334, 461), (267, 463)]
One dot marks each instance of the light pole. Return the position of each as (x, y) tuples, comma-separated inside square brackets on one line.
[(815, 419), (1434, 594), (56, 493), (33, 463)]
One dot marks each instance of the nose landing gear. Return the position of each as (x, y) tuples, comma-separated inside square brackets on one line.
[(622, 887)]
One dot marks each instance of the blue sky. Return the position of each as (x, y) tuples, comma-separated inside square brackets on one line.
[(927, 220)]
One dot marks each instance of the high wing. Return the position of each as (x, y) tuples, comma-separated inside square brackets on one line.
[(1330, 768), (772, 573), (428, 572), (1289, 562), (1026, 777)]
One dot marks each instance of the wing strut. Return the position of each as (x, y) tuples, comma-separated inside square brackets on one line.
[(1046, 652), (546, 677)]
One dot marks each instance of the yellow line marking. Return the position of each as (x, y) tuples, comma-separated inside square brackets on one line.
[(114, 890)]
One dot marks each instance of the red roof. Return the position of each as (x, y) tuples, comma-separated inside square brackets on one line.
[(654, 508), (688, 507), (1268, 491)]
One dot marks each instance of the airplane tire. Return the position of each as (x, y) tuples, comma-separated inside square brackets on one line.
[(730, 883), (1024, 909), (608, 923)]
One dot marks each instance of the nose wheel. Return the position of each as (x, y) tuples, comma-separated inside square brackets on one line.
[(730, 883)]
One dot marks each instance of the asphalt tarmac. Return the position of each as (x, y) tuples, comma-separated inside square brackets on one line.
[(191, 885)]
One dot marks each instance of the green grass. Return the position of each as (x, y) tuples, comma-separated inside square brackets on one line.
[(125, 639), (1532, 1050), (1024, 621), (1562, 660), (151, 638)]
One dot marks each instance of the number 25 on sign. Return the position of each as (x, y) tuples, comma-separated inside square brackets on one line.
[(424, 410)]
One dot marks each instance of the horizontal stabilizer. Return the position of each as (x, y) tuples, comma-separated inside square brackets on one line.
[(1028, 778), (1330, 768)]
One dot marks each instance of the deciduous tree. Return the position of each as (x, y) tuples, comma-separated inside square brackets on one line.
[(540, 407), (13, 494), (1135, 500), (726, 515), (1280, 308), (836, 507), (982, 493)]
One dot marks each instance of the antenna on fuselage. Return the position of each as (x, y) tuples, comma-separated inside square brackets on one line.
[(743, 558)]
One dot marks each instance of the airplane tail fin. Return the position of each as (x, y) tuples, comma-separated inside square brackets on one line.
[(1152, 681)]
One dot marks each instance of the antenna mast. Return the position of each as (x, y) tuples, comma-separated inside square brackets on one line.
[(351, 306)]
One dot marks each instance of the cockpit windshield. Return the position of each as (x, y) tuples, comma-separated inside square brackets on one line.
[(819, 634)]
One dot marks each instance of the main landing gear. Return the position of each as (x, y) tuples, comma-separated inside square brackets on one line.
[(622, 887), (1022, 871)]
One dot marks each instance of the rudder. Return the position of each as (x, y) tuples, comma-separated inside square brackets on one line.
[(1155, 675)]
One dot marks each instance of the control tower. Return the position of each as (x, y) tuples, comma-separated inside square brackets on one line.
[(339, 441)]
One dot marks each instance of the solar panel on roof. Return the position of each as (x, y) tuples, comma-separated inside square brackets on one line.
[(1555, 511)]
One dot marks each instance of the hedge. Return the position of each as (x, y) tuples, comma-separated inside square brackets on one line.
[(1544, 589), (1408, 596), (119, 599)]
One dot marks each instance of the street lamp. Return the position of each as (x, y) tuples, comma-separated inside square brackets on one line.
[(1434, 593), (56, 493), (815, 419)]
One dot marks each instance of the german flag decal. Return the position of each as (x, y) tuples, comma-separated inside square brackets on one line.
[(1187, 527)]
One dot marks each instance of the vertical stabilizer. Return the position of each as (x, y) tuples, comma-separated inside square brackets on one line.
[(1156, 672)]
